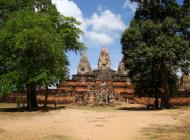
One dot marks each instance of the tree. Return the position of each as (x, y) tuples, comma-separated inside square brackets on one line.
[(33, 42), (156, 46)]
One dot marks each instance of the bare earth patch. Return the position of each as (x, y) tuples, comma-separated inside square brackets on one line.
[(87, 123), (179, 131)]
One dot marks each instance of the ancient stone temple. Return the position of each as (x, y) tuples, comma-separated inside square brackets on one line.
[(99, 85)]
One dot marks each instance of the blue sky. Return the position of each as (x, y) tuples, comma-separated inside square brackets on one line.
[(102, 22)]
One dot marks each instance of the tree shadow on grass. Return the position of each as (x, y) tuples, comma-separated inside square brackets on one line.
[(137, 109), (24, 109), (150, 108), (50, 108), (12, 109)]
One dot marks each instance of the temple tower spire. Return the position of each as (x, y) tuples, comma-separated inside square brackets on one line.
[(84, 65), (121, 68), (104, 62)]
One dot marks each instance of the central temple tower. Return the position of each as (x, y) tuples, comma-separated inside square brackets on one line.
[(104, 62)]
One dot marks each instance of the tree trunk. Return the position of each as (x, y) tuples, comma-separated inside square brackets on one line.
[(165, 87), (156, 103), (29, 101), (31, 97), (46, 97), (34, 97)]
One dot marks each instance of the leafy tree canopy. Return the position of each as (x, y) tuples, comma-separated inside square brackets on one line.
[(34, 38), (156, 46)]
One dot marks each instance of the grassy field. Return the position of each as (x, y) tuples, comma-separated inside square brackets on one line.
[(72, 122)]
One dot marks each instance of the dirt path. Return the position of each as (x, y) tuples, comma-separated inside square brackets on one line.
[(74, 124)]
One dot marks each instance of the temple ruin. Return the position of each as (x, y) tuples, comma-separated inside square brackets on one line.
[(102, 85)]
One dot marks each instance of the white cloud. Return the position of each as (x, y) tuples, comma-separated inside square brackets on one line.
[(106, 20), (102, 27), (68, 8), (131, 5), (99, 37)]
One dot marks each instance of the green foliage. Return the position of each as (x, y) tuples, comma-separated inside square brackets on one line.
[(9, 6), (159, 34), (6, 84), (34, 39)]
